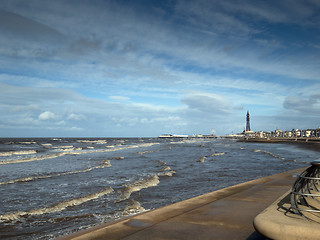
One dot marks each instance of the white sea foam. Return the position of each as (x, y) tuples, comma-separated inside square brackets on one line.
[(27, 143), (104, 164), (63, 147), (202, 159), (54, 208), (32, 159), (167, 174), (117, 158), (73, 150), (93, 141), (134, 208), (137, 186), (10, 153), (217, 154), (269, 153), (46, 144), (165, 168), (73, 153)]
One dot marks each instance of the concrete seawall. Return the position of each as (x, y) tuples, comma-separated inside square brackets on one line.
[(223, 214)]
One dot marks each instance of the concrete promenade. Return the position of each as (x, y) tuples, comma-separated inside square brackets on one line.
[(224, 214)]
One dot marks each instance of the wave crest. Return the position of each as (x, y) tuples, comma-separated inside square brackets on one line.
[(217, 154), (10, 153), (105, 163), (55, 208), (202, 159), (137, 186)]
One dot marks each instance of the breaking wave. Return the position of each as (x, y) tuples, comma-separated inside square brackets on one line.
[(63, 147), (167, 174), (104, 164), (55, 208), (27, 143), (32, 159), (165, 168), (117, 158), (202, 159), (6, 154), (93, 141), (269, 153), (73, 152), (217, 154), (46, 144), (134, 208), (137, 186)]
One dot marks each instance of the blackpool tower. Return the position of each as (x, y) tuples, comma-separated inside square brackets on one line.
[(248, 122)]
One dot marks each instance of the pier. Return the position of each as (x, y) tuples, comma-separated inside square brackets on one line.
[(223, 214)]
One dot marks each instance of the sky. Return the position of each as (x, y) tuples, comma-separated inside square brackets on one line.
[(141, 68)]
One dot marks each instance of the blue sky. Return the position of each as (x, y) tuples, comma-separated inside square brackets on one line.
[(143, 68)]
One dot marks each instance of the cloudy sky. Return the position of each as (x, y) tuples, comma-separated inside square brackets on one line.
[(102, 68)]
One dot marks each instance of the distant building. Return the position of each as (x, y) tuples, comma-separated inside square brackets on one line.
[(248, 122), (248, 131), (307, 134)]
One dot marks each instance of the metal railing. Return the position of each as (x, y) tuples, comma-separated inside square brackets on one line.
[(305, 193)]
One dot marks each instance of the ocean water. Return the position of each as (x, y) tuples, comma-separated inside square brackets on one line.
[(53, 187)]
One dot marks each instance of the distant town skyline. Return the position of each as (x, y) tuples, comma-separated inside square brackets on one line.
[(145, 68)]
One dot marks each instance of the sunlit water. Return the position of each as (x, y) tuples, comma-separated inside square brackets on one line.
[(53, 187)]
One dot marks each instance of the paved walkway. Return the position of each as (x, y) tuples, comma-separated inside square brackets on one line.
[(224, 214)]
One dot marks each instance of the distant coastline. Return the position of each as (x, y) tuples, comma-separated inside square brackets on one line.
[(186, 136), (309, 143)]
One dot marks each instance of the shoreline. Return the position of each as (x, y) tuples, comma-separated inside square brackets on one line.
[(303, 143), (252, 197), (227, 213)]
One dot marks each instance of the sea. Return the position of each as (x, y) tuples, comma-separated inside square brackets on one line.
[(51, 187)]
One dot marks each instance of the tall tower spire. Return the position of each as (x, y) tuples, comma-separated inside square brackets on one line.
[(248, 122)]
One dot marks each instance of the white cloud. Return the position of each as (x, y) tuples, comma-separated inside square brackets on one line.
[(139, 70), (76, 117), (47, 116), (304, 105), (207, 103)]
